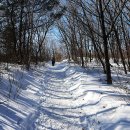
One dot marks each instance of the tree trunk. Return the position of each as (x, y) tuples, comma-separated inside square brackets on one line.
[(105, 43)]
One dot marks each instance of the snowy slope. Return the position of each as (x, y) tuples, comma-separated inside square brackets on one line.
[(66, 97)]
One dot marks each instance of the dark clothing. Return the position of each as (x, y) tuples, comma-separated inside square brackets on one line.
[(53, 61)]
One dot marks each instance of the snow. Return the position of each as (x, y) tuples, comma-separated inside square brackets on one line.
[(64, 97)]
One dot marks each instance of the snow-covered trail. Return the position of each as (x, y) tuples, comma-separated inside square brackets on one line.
[(58, 109), (73, 98)]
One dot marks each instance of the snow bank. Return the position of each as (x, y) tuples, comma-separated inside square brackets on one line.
[(63, 97)]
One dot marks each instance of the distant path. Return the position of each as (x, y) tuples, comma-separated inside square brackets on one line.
[(74, 99)]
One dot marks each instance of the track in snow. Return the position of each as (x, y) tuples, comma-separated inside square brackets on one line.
[(74, 99)]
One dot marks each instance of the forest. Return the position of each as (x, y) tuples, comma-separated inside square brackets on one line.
[(93, 34), (88, 29)]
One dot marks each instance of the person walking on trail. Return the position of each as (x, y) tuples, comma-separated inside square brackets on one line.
[(53, 61)]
